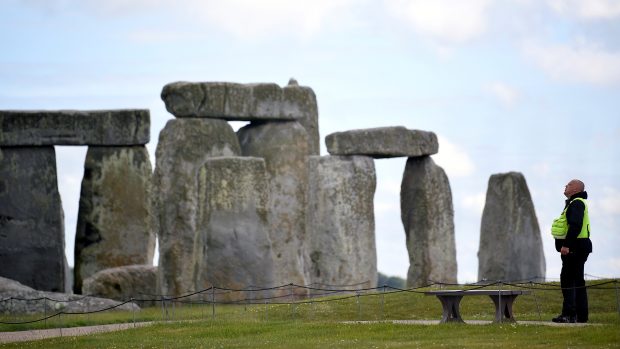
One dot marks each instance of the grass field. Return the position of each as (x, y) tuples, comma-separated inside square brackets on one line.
[(321, 324)]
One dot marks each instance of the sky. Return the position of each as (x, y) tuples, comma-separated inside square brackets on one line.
[(531, 86)]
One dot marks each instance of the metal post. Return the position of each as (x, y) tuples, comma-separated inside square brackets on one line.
[(617, 297), (173, 308), (162, 309), (382, 301), (61, 323), (45, 310), (134, 314), (536, 300), (357, 300), (266, 312), (290, 290), (213, 302), (501, 311), (87, 310)]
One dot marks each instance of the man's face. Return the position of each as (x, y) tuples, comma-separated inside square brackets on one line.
[(570, 189)]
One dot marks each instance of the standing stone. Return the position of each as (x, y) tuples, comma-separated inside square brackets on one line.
[(284, 146), (428, 217), (233, 225), (305, 99), (124, 283), (32, 235), (341, 224), (114, 225), (511, 247), (184, 146)]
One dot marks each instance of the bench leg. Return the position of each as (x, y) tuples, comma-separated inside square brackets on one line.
[(450, 306), (504, 314)]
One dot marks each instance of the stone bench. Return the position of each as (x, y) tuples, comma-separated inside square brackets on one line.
[(451, 300)]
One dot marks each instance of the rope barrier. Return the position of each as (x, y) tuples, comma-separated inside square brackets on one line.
[(357, 293)]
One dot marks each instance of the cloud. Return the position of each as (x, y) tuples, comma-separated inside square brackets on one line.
[(387, 207), (448, 21), (505, 93), (475, 202), (251, 19), (587, 10), (542, 169), (454, 160), (610, 202), (584, 62), (246, 19)]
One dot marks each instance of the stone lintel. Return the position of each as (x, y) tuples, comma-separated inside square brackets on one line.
[(74, 127), (383, 142), (233, 101)]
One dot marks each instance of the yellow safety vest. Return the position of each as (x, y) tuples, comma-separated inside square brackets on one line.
[(559, 228)]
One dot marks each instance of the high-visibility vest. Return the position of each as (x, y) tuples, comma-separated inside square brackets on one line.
[(559, 228)]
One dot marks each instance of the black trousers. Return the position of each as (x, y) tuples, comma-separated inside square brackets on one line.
[(573, 286)]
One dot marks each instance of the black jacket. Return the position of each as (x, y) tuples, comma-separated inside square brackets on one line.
[(574, 218)]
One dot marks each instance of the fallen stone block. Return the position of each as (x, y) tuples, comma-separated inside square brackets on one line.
[(124, 283)]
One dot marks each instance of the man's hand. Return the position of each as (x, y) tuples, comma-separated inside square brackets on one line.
[(564, 251)]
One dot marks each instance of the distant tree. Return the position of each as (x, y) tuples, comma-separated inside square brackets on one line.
[(392, 281)]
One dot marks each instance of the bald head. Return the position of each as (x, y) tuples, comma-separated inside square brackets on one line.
[(573, 187)]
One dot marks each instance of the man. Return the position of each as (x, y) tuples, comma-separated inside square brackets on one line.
[(572, 239)]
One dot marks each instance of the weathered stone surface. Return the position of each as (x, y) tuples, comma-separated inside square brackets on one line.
[(511, 247), (233, 226), (232, 101), (55, 302), (284, 146), (123, 283), (74, 127), (115, 217), (32, 236), (341, 224), (428, 218), (184, 145), (383, 142), (305, 99)]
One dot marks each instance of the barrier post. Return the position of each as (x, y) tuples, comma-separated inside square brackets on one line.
[(359, 307), (501, 311), (213, 302), (382, 301), (290, 290), (162, 309), (45, 311), (617, 297), (266, 312), (87, 310), (536, 300)]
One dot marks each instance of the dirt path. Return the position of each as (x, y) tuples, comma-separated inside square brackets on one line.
[(22, 336)]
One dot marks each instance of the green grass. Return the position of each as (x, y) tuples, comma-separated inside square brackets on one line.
[(320, 324)]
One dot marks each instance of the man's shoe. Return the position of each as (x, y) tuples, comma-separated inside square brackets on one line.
[(581, 320), (564, 319)]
